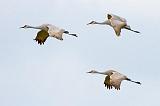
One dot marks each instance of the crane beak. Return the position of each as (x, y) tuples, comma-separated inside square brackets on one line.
[(89, 23), (22, 27), (25, 26), (88, 72)]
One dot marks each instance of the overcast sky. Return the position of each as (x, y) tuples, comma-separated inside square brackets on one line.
[(54, 74)]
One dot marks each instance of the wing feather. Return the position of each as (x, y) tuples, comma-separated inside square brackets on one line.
[(55, 32), (41, 36), (116, 79), (117, 26), (107, 82), (115, 17)]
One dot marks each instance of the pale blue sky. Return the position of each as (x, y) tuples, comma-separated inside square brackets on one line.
[(55, 74)]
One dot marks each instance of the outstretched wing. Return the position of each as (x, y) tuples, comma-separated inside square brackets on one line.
[(115, 17), (117, 30), (116, 79), (107, 82), (55, 32), (117, 26), (41, 36)]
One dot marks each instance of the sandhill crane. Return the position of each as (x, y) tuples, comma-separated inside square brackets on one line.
[(48, 30), (116, 22), (113, 78)]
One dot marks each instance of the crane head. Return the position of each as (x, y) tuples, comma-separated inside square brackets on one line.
[(92, 71), (92, 22), (25, 26)]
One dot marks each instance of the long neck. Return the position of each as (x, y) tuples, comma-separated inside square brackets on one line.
[(100, 72), (37, 27), (102, 23)]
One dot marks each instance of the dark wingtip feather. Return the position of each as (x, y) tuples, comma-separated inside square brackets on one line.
[(39, 41)]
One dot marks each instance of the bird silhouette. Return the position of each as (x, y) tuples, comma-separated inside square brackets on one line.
[(116, 22), (113, 78), (48, 30)]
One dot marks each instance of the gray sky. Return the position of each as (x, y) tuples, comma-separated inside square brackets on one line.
[(55, 74)]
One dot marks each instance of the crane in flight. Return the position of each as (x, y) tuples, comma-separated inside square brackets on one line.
[(48, 30), (116, 22), (113, 78)]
